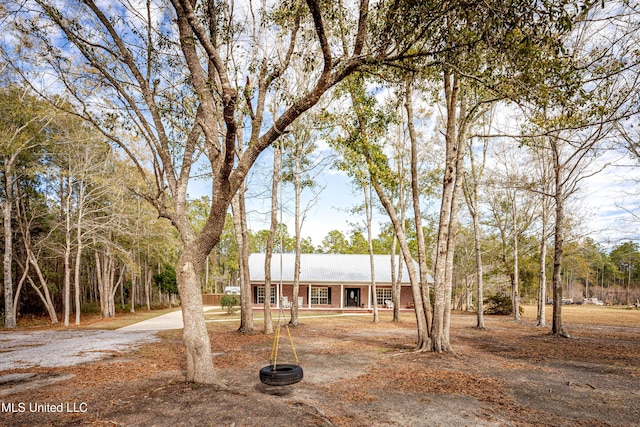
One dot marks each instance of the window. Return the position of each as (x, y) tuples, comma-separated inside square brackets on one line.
[(383, 294), (260, 295), (320, 295)]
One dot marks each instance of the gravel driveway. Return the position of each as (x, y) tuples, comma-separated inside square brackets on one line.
[(57, 348), (64, 347)]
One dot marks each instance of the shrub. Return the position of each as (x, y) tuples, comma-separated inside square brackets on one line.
[(498, 304), (90, 308), (228, 302)]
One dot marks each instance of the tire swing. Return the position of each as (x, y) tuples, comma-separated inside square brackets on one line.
[(284, 373)]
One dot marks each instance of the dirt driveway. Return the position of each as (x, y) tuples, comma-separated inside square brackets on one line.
[(359, 374)]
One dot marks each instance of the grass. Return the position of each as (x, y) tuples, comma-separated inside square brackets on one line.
[(571, 314), (221, 315), (590, 315)]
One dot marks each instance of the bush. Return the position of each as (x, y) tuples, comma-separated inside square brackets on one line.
[(498, 304), (90, 308), (228, 302)]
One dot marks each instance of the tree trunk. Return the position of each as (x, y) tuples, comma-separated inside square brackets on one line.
[(395, 286), (105, 270), (147, 284), (122, 301), (7, 210), (369, 214), (515, 291), (421, 320), (195, 335), (415, 191), (132, 298), (479, 268), (76, 281), (45, 295), (556, 328), (16, 297), (240, 223), (453, 223), (542, 290), (268, 322), (296, 271), (437, 328), (473, 202), (66, 287), (119, 285)]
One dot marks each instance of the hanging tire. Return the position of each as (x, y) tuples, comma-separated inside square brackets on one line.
[(284, 374)]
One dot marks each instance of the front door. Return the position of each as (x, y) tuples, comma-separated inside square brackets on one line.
[(352, 297)]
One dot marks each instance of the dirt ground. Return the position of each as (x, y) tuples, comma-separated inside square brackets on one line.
[(355, 374)]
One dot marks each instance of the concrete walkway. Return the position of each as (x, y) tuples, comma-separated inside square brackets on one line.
[(165, 322)]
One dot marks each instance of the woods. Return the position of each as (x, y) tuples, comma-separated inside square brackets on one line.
[(113, 117)]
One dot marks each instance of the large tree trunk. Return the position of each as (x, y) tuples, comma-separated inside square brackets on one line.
[(195, 335), (452, 88), (453, 232)]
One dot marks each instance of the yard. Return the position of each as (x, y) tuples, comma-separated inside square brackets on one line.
[(363, 374)]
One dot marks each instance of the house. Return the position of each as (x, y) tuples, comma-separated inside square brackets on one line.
[(329, 281)]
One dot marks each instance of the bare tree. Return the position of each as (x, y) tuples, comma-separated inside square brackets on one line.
[(379, 173), (22, 124), (268, 323), (578, 119), (542, 186), (471, 187), (415, 192)]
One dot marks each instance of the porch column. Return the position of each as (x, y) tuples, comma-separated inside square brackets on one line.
[(369, 297), (342, 295), (309, 296)]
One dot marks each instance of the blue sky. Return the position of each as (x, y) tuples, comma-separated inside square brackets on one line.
[(603, 201)]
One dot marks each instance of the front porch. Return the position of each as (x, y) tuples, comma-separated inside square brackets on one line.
[(331, 297)]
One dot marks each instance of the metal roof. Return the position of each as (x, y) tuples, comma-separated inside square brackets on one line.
[(327, 268)]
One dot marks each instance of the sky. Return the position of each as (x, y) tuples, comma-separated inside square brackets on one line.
[(602, 202), (611, 199)]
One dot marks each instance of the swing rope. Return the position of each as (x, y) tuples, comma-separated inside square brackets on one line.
[(276, 340), (276, 337)]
